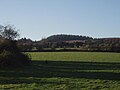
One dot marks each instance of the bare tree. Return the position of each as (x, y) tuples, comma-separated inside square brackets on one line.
[(9, 32)]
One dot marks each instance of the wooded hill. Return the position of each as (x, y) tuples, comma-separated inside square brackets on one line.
[(63, 37), (64, 42)]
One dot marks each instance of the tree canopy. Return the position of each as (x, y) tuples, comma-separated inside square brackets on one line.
[(10, 55), (9, 32)]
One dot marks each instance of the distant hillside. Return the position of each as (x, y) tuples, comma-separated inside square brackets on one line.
[(63, 37), (69, 43)]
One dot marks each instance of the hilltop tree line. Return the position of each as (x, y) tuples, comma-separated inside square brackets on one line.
[(69, 43), (63, 37)]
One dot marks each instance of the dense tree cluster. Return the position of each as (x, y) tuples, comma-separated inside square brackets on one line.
[(10, 54), (70, 41), (25, 44), (105, 44), (63, 37)]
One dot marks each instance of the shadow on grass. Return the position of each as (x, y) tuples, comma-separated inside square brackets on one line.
[(63, 69)]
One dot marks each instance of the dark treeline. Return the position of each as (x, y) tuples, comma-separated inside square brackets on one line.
[(70, 43), (63, 37)]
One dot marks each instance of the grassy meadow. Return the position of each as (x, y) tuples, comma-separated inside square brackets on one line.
[(65, 71), (76, 56)]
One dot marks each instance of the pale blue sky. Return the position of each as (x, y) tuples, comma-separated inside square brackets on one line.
[(38, 19)]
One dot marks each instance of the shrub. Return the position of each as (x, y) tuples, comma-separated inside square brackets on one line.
[(10, 55)]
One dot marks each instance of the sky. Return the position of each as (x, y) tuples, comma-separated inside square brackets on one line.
[(37, 19)]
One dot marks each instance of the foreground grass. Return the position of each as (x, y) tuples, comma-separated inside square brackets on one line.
[(65, 71)]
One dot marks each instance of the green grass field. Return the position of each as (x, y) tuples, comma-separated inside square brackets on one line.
[(77, 56), (65, 71)]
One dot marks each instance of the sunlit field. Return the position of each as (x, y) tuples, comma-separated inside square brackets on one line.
[(65, 71), (76, 56)]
